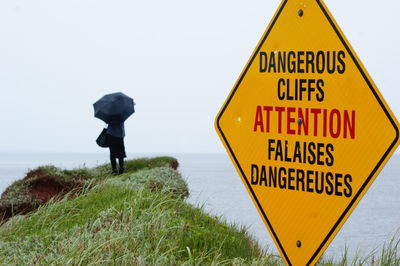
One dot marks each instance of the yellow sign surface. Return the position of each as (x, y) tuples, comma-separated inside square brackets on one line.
[(306, 128)]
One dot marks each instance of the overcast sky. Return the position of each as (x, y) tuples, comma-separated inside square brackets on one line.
[(178, 59)]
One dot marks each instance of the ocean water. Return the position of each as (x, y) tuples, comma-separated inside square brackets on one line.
[(215, 185)]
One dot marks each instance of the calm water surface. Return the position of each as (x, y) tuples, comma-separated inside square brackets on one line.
[(214, 183)]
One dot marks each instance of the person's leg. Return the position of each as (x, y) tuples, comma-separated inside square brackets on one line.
[(121, 165), (113, 164)]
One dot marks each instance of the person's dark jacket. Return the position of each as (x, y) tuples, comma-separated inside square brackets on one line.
[(116, 130)]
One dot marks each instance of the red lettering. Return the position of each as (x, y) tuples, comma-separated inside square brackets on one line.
[(304, 121), (290, 120), (315, 112), (331, 125), (279, 110), (267, 110), (351, 126), (258, 121)]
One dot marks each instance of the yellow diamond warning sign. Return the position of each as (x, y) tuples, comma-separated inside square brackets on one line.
[(306, 128)]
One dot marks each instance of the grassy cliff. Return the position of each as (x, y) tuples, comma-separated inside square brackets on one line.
[(88, 217), (139, 217)]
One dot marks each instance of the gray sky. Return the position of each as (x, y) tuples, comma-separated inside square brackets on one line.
[(178, 59)]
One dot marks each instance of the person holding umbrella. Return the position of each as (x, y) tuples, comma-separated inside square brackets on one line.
[(114, 109), (115, 140)]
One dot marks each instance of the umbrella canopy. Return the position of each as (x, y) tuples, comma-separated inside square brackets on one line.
[(114, 107)]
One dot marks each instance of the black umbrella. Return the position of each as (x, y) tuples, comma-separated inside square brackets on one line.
[(114, 107)]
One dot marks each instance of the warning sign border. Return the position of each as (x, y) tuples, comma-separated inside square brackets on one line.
[(370, 85)]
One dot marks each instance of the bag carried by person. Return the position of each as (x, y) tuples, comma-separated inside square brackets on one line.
[(102, 139)]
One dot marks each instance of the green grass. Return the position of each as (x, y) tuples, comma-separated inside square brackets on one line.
[(387, 255), (27, 194), (138, 218), (131, 166), (113, 224)]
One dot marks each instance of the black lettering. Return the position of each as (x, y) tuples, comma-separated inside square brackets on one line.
[(254, 174), (272, 64), (282, 178), (348, 191), (309, 180), (320, 62), (270, 148), (329, 160), (281, 93), (282, 62), (311, 88), (287, 159), (291, 62), (338, 184), (342, 68), (320, 153), (263, 176), (302, 88), (272, 177), (329, 184), (303, 62), (300, 62), (320, 95), (291, 179), (288, 96), (331, 62), (311, 156), (300, 180), (319, 184), (263, 61), (297, 152), (310, 62), (278, 150)]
